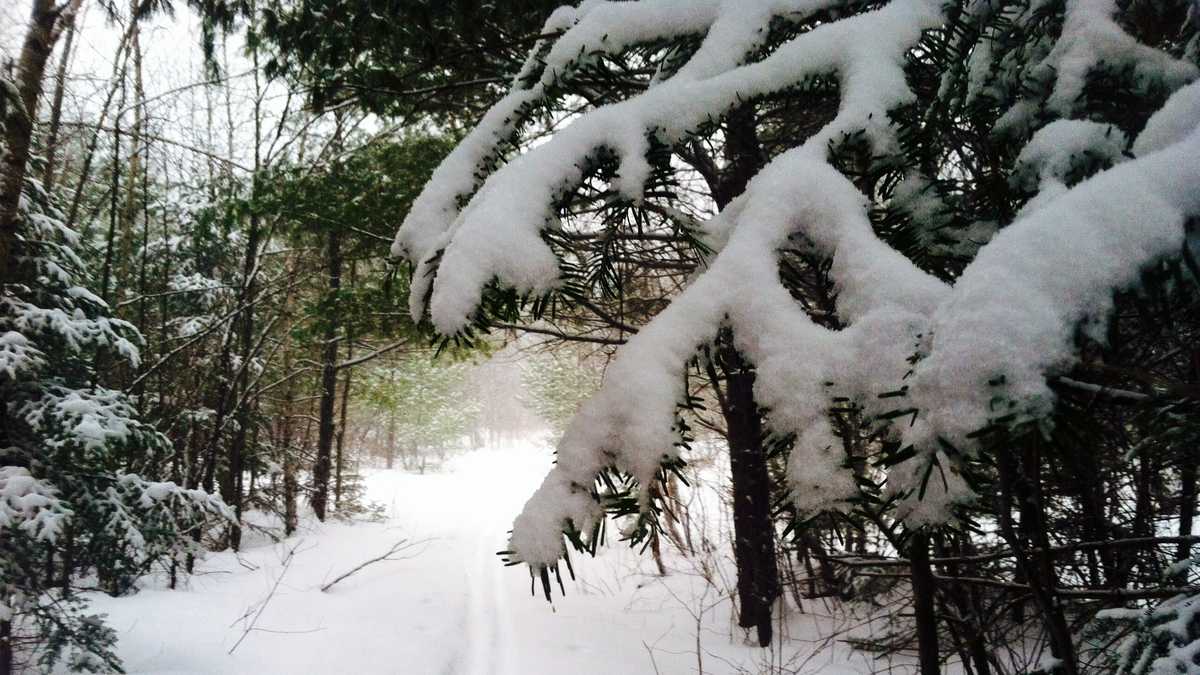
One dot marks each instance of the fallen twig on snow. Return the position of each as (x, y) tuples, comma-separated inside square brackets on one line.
[(287, 561), (389, 555)]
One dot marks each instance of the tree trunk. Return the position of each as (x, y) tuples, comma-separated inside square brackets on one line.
[(249, 291), (60, 85), (43, 32), (1020, 483), (6, 649), (237, 448), (965, 600), (290, 465), (339, 463), (1187, 489), (391, 439), (106, 272), (325, 429), (754, 531), (339, 460), (924, 588), (136, 139)]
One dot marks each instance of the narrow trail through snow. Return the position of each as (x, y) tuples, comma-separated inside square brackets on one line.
[(451, 608)]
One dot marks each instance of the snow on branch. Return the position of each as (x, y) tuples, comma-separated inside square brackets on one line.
[(479, 246), (1006, 325)]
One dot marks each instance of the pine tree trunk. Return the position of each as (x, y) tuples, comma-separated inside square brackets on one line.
[(391, 439), (106, 272), (1187, 488), (325, 429), (249, 292), (6, 648), (339, 459), (966, 602), (924, 588), (237, 448), (1020, 484), (754, 531), (291, 486), (129, 210)]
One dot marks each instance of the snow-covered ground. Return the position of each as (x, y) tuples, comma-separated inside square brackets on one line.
[(450, 608)]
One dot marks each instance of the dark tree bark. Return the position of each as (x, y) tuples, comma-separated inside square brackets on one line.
[(106, 273), (754, 530), (924, 588), (285, 422), (237, 448), (391, 439), (343, 405), (339, 463), (6, 648), (965, 601), (1020, 483), (1187, 487), (325, 428)]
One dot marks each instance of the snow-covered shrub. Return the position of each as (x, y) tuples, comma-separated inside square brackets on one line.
[(1163, 640), (70, 507)]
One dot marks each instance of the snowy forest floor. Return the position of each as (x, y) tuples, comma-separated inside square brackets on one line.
[(451, 608)]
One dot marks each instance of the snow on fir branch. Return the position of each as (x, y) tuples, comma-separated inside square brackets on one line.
[(993, 334)]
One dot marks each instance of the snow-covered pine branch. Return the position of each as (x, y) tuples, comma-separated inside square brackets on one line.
[(993, 333)]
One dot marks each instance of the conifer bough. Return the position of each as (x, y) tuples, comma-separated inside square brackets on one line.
[(933, 353)]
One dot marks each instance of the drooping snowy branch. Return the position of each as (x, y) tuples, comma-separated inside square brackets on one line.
[(1007, 324), (478, 248)]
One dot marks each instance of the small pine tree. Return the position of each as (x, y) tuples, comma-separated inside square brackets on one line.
[(69, 507), (1162, 640), (556, 384)]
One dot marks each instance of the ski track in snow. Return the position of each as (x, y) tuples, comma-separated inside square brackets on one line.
[(488, 618)]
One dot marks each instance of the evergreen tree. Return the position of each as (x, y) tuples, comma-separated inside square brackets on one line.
[(72, 502), (556, 384), (403, 58), (427, 404)]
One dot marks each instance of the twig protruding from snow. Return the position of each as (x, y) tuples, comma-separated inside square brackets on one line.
[(287, 561), (389, 555)]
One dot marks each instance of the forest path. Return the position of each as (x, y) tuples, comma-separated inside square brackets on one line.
[(451, 608), (443, 610)]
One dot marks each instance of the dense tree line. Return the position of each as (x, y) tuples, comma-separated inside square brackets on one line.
[(194, 331)]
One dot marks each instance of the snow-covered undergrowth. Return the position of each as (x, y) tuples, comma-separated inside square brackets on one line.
[(451, 609)]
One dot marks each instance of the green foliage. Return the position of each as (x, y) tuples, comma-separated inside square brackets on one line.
[(361, 197), (70, 507), (556, 384), (428, 403), (406, 58), (1155, 641)]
